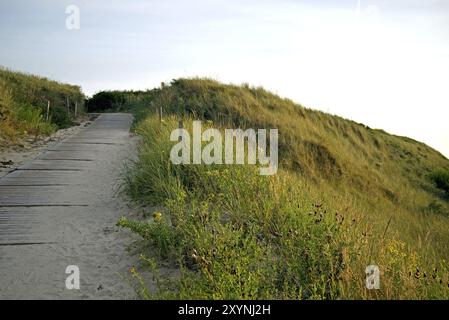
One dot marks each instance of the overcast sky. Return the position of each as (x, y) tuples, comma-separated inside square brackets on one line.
[(383, 63)]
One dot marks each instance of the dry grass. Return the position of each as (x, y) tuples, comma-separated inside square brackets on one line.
[(372, 189)]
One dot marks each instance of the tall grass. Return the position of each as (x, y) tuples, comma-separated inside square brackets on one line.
[(345, 197), (23, 105)]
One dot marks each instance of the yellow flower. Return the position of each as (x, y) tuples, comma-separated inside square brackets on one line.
[(157, 216)]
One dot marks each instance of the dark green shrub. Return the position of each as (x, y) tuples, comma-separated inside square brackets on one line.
[(60, 117), (105, 100), (441, 180)]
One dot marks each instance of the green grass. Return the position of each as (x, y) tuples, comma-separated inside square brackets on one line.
[(346, 196), (23, 105)]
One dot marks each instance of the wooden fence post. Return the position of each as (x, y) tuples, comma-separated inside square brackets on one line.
[(47, 116), (68, 107)]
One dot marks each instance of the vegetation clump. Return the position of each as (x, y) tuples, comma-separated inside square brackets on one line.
[(345, 197), (24, 103), (441, 180)]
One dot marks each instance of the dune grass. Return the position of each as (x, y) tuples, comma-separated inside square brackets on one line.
[(346, 196), (23, 105)]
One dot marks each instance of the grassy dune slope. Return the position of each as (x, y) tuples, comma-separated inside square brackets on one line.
[(23, 104), (346, 196)]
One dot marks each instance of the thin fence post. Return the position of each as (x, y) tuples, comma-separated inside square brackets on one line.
[(68, 107), (47, 116)]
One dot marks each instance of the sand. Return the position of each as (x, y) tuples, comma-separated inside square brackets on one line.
[(60, 207)]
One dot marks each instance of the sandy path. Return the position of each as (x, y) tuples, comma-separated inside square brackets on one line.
[(60, 209)]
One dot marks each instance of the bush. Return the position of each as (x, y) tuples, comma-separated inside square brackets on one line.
[(441, 180), (60, 117), (105, 100)]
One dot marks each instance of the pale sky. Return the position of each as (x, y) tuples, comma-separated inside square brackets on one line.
[(383, 63)]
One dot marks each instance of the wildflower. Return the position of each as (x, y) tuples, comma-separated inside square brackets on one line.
[(121, 222), (157, 216)]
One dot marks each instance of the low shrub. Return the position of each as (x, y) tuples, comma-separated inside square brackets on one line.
[(105, 100), (441, 180)]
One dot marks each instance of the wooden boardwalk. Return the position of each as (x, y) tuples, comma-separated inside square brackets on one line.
[(60, 209)]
